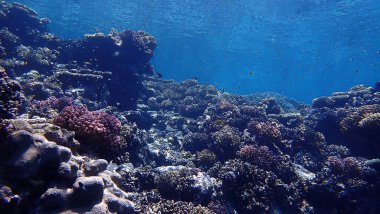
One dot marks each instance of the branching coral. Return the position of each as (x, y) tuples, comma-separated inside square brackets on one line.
[(266, 132), (226, 142), (261, 156), (97, 127), (11, 97)]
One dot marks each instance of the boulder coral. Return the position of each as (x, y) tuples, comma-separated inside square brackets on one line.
[(42, 176)]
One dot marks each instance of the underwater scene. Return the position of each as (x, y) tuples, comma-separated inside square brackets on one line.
[(190, 106)]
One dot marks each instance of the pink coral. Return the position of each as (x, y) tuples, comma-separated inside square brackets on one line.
[(54, 102), (93, 126), (259, 155), (348, 165), (266, 132)]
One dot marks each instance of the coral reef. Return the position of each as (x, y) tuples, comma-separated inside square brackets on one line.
[(120, 57), (353, 122), (44, 171), (87, 126), (96, 127), (11, 97)]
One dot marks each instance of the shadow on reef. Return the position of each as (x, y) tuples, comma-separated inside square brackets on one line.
[(68, 145)]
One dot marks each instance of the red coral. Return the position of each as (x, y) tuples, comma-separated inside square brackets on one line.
[(95, 126)]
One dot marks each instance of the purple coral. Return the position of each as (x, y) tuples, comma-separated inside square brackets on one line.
[(226, 141), (259, 155), (266, 132), (53, 102), (346, 166), (94, 126)]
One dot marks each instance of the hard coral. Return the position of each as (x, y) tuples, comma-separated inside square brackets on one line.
[(11, 97), (206, 158), (44, 107), (195, 141), (261, 156), (271, 106), (362, 127), (226, 142), (99, 127), (266, 132), (171, 206), (225, 106), (348, 166)]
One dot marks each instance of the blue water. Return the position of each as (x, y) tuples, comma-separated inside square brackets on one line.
[(300, 48)]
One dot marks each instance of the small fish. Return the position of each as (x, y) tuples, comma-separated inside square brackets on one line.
[(159, 75), (119, 105), (250, 73)]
